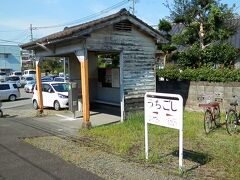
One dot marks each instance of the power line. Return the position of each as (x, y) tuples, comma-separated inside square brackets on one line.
[(119, 4), (9, 31), (4, 40)]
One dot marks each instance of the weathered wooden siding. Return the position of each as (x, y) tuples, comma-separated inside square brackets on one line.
[(138, 56)]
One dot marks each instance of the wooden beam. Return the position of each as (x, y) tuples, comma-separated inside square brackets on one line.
[(39, 87), (85, 93)]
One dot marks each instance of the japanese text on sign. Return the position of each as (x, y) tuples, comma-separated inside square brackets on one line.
[(163, 111)]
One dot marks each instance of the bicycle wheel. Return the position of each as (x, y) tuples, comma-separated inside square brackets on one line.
[(231, 121), (207, 121), (217, 116)]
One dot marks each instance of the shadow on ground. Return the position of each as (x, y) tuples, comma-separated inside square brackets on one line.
[(197, 157)]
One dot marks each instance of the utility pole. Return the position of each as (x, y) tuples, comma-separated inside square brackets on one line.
[(31, 32), (133, 6), (31, 39)]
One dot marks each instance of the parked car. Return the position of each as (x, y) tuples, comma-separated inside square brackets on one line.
[(2, 76), (9, 91), (28, 88), (16, 73), (47, 79), (55, 94), (29, 72), (25, 79), (61, 79), (14, 80)]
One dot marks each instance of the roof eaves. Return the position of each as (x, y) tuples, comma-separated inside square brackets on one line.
[(68, 33)]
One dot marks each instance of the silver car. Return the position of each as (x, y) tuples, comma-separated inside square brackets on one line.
[(14, 80), (2, 76), (9, 91), (29, 86)]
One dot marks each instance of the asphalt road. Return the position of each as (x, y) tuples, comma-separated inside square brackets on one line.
[(19, 160), (25, 99)]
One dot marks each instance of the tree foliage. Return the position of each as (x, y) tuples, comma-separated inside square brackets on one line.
[(205, 21), (165, 27), (217, 54), (52, 65), (206, 26)]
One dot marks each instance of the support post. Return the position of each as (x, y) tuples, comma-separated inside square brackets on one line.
[(81, 55), (39, 87)]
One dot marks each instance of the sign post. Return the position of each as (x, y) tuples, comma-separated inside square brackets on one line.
[(166, 110)]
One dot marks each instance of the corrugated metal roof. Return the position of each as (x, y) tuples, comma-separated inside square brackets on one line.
[(69, 32)]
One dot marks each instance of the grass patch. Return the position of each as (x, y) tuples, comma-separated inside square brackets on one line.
[(214, 155)]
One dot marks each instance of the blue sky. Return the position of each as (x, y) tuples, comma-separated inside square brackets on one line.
[(17, 15)]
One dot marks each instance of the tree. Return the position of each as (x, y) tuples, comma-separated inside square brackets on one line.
[(205, 21), (53, 65), (206, 26), (165, 26)]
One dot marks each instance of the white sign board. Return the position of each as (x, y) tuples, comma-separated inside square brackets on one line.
[(164, 110)]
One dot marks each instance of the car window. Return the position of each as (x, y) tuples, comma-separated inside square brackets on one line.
[(61, 87), (46, 87), (4, 86), (32, 72), (29, 78), (15, 86), (15, 78), (18, 73), (59, 79)]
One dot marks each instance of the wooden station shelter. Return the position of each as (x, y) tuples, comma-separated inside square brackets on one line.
[(112, 60)]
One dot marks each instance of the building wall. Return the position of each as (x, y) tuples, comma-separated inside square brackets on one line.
[(10, 57), (138, 60)]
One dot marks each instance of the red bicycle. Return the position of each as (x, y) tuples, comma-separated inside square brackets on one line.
[(212, 117)]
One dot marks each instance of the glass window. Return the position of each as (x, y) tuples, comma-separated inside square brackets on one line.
[(32, 72), (13, 78), (15, 86), (4, 86), (46, 87), (18, 73), (61, 87), (29, 78)]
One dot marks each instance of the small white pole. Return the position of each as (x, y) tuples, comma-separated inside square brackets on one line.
[(146, 140), (181, 149)]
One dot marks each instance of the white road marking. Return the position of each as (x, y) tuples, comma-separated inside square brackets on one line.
[(66, 118)]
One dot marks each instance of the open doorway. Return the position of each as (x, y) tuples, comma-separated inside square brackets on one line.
[(104, 74)]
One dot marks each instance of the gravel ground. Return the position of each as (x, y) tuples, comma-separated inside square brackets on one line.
[(106, 165)]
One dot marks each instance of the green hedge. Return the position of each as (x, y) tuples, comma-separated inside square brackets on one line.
[(200, 74)]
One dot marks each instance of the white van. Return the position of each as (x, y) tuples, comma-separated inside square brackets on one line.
[(29, 72)]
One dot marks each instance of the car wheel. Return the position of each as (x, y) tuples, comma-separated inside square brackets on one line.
[(56, 106), (35, 105), (1, 113), (12, 97)]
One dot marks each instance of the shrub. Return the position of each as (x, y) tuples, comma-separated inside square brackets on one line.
[(200, 74), (170, 72)]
